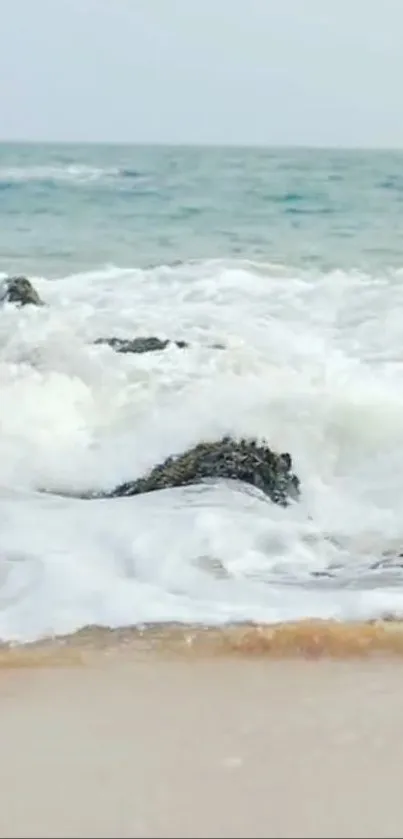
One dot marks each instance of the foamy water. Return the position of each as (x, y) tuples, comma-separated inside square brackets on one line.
[(72, 174), (313, 362)]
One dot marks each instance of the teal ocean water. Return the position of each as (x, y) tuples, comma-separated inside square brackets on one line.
[(75, 207), (293, 259)]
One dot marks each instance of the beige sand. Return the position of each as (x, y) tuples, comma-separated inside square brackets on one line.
[(137, 741)]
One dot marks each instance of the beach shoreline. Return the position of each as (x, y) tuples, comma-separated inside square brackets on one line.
[(292, 639), (103, 735)]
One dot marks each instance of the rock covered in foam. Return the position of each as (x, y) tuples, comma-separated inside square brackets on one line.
[(145, 344), (244, 460), (19, 290), (139, 345)]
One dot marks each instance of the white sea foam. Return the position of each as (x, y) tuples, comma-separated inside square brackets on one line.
[(312, 363), (70, 173)]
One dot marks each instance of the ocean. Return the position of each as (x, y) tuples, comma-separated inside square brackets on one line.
[(293, 259)]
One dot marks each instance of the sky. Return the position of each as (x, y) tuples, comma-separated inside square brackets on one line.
[(258, 72)]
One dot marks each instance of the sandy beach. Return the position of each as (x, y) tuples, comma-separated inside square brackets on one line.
[(107, 736)]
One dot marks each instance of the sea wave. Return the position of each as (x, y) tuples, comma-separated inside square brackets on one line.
[(73, 174), (306, 364)]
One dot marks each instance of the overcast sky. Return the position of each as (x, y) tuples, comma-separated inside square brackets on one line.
[(299, 72)]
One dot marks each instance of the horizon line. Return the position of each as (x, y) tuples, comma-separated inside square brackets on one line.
[(201, 145)]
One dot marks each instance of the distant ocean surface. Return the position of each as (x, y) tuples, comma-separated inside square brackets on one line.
[(77, 207), (291, 258)]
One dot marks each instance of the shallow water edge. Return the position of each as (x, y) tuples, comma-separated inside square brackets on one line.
[(308, 639)]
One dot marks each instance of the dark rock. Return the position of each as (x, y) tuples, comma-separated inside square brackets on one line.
[(20, 290), (240, 460), (142, 345), (139, 345)]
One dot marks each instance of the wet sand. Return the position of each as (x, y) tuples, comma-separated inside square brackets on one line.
[(106, 736)]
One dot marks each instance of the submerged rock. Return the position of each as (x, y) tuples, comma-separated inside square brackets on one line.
[(21, 291), (242, 460), (139, 345), (142, 345)]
